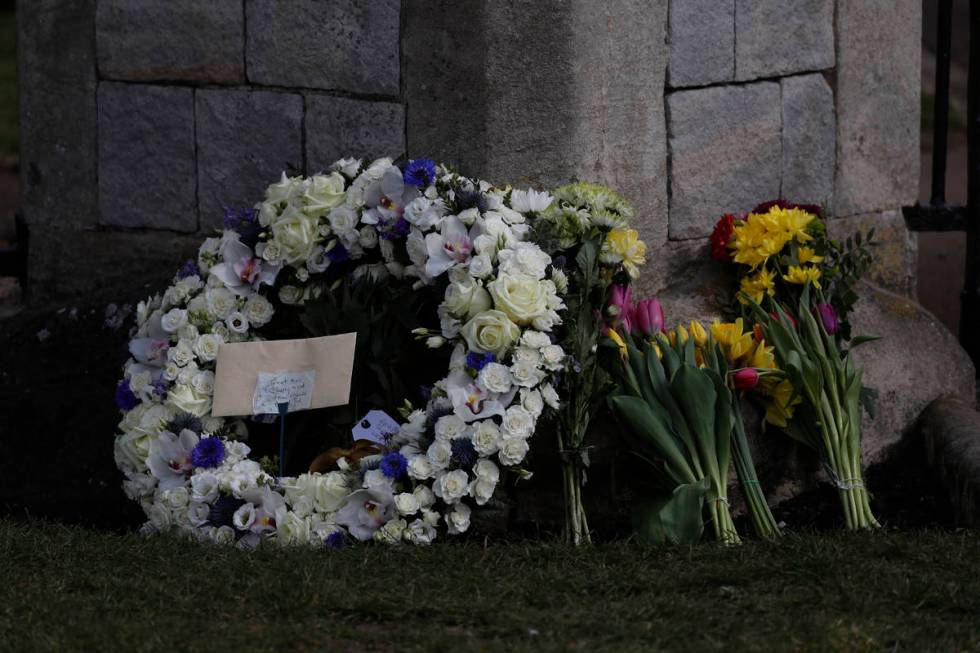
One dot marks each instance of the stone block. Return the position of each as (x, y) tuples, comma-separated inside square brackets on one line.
[(701, 34), (950, 432), (147, 171), (245, 140), (539, 94), (58, 132), (808, 140), (877, 94), (780, 37), (725, 153), (338, 127), (185, 40), (350, 45), (895, 251)]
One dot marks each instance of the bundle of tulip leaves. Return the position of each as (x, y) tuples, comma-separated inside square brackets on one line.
[(676, 403), (828, 419)]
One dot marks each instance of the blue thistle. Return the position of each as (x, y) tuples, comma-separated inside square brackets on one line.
[(477, 362), (464, 453), (188, 269), (223, 511), (335, 540), (338, 253), (209, 452), (420, 172), (184, 421), (393, 465)]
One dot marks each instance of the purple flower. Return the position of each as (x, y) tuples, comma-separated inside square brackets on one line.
[(209, 452), (828, 316), (188, 269), (393, 465), (335, 540), (420, 172), (398, 229), (477, 362), (125, 397)]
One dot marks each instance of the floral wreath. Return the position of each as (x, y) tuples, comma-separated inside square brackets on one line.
[(191, 472)]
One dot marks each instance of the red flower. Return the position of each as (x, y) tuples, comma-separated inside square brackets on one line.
[(721, 236), (745, 379)]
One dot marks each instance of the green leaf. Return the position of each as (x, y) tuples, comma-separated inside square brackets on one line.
[(674, 520), (650, 427), (857, 341)]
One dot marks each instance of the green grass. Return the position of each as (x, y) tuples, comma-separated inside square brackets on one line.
[(8, 84), (67, 588)]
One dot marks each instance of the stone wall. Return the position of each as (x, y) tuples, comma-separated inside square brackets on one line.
[(148, 117)]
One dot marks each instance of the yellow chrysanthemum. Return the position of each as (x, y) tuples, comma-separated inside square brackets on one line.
[(758, 285), (732, 338), (793, 223), (808, 255), (762, 235), (624, 246), (803, 274)]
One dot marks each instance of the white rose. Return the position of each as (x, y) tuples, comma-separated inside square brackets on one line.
[(331, 490), (138, 486), (258, 310), (490, 332), (452, 486), (291, 528), (407, 503), (512, 451), (296, 235), (495, 377), (458, 519), (197, 513), (392, 532), (485, 245), (480, 266), (431, 517), (486, 470), (188, 332), (221, 301), (290, 295), (526, 374), (173, 320), (347, 166), (159, 516), (482, 490), (553, 356), (206, 347), (467, 298), (203, 382), (424, 496), (486, 437), (177, 497), (420, 533), (520, 296), (449, 427), (368, 237), (517, 422), (324, 193), (439, 454), (186, 399), (532, 402), (420, 467)]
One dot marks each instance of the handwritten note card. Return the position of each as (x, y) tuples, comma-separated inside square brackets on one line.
[(274, 388), (374, 427)]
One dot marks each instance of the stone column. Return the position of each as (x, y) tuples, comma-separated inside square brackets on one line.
[(539, 93)]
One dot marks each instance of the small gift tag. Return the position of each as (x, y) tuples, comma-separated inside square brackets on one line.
[(374, 427), (294, 388)]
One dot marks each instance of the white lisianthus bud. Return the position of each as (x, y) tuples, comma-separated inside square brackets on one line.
[(434, 342)]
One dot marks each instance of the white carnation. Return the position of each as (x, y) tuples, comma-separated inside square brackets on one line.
[(495, 377)]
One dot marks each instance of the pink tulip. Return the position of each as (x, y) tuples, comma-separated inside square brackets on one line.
[(828, 316), (745, 378), (648, 316), (621, 297)]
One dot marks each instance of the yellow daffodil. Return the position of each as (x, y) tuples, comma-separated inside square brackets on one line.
[(779, 410), (734, 341), (618, 339), (761, 357), (624, 246), (808, 255), (803, 274)]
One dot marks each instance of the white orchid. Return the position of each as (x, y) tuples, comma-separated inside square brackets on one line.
[(241, 271)]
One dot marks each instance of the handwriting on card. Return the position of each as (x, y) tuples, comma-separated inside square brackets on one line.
[(374, 427), (274, 388)]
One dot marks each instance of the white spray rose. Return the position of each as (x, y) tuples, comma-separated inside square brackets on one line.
[(486, 437), (452, 486), (173, 320), (458, 519), (512, 450), (258, 310), (206, 347), (407, 503)]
